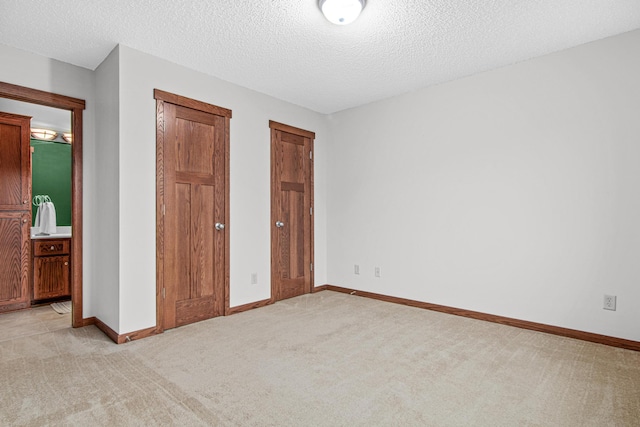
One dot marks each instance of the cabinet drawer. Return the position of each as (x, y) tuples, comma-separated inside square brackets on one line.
[(51, 247)]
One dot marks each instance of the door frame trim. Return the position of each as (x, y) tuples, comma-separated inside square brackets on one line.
[(76, 107), (161, 97), (273, 126)]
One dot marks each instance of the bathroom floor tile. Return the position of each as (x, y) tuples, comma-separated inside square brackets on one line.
[(32, 321)]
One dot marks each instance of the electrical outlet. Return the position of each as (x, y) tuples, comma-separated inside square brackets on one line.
[(254, 278), (377, 272), (609, 302), (356, 269)]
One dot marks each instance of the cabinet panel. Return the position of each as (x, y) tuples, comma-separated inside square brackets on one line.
[(14, 256), (51, 277), (15, 161)]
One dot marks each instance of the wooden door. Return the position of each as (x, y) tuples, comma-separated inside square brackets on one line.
[(15, 211), (291, 211), (193, 139)]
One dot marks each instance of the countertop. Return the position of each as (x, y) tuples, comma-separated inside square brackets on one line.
[(63, 232)]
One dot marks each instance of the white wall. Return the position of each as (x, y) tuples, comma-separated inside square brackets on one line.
[(107, 252), (514, 192), (37, 72), (249, 224)]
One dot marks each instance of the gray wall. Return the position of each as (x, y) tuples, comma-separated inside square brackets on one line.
[(107, 204), (37, 72), (512, 192), (249, 224)]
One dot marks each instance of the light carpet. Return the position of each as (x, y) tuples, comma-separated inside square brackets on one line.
[(326, 359)]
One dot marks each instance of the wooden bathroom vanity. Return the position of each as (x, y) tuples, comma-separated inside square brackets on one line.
[(51, 267)]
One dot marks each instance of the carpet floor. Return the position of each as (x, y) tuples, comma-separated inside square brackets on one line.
[(326, 359)]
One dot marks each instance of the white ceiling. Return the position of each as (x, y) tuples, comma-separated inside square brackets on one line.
[(285, 48)]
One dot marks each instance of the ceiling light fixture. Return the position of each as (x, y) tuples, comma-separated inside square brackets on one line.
[(341, 12), (43, 134), (68, 137)]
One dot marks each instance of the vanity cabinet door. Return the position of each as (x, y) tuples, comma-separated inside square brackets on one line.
[(51, 277)]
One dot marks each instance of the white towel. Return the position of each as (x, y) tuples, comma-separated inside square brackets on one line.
[(46, 218)]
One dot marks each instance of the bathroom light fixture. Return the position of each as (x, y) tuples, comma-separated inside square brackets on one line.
[(68, 137), (341, 12), (43, 134)]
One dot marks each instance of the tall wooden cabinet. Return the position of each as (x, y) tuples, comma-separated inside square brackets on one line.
[(15, 211)]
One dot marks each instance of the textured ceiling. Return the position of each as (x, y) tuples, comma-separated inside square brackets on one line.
[(285, 48)]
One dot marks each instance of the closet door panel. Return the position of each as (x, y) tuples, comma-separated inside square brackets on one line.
[(15, 211)]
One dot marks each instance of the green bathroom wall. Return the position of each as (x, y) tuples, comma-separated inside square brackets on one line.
[(51, 175)]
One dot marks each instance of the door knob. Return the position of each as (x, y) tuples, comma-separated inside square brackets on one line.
[(279, 224), (219, 226)]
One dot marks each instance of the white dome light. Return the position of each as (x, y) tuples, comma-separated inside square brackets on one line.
[(341, 12)]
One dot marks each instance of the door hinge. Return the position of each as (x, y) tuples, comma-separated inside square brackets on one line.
[(164, 293), (163, 209), (311, 155), (311, 211), (311, 266)]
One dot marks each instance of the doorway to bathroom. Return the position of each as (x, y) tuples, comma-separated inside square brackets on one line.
[(54, 253)]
